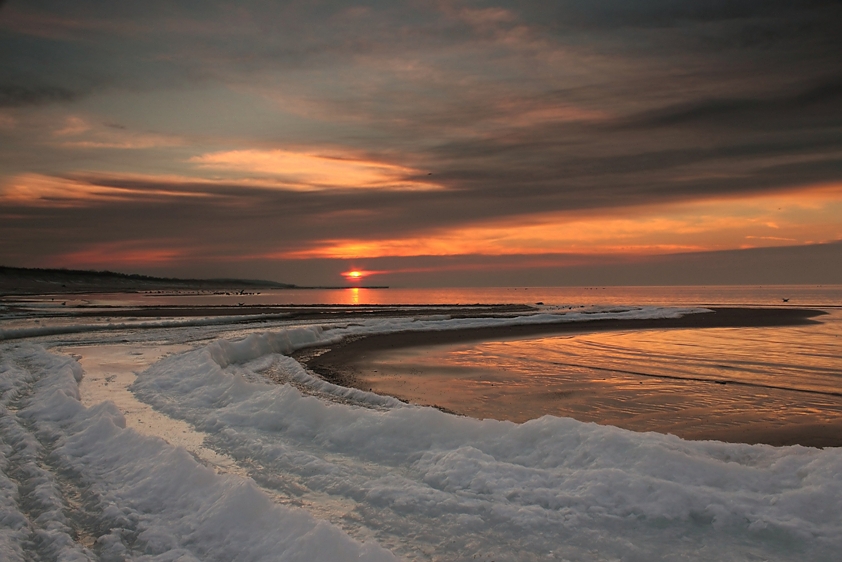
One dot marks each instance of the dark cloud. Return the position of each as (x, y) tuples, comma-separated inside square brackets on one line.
[(661, 13), (516, 108), (821, 103), (19, 96)]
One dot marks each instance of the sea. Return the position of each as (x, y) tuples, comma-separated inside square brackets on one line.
[(186, 439), (726, 295)]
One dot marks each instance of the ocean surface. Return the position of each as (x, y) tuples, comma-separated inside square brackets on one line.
[(202, 439), (770, 295)]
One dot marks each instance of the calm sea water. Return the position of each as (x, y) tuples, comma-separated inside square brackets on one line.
[(796, 295), (778, 385)]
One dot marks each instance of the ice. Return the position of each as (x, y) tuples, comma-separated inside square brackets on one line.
[(547, 315), (374, 478), (79, 469), (431, 485), (80, 328)]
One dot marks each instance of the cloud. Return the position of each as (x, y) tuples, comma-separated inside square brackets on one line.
[(80, 133), (35, 190), (611, 14), (129, 254), (175, 118), (314, 172), (21, 96), (805, 215), (822, 103)]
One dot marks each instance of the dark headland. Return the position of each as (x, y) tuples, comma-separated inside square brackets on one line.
[(36, 281)]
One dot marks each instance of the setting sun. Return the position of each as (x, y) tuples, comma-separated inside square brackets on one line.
[(354, 275)]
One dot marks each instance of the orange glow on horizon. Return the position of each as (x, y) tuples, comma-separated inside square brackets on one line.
[(120, 254), (799, 217)]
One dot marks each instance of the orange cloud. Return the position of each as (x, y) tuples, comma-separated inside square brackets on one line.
[(49, 191), (7, 122), (313, 172), (796, 217), (73, 125), (119, 254), (77, 132)]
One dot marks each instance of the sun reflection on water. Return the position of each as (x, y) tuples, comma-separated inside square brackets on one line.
[(702, 383)]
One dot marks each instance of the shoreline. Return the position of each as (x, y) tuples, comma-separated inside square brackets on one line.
[(355, 363), (721, 317)]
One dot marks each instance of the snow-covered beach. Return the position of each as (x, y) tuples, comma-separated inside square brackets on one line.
[(200, 438)]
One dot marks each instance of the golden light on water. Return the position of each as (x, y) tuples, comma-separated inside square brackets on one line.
[(697, 384)]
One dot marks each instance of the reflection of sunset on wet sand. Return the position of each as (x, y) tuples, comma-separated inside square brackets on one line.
[(730, 384)]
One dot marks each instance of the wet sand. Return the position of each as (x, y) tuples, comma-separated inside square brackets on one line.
[(338, 362), (397, 364)]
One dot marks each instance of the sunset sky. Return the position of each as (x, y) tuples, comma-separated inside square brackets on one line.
[(425, 143)]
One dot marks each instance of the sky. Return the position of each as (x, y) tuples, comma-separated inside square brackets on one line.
[(425, 143)]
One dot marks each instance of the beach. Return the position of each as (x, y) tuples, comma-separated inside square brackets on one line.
[(191, 424)]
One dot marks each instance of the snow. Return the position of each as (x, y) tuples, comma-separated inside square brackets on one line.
[(80, 328), (365, 477), (428, 482), (548, 315), (148, 500)]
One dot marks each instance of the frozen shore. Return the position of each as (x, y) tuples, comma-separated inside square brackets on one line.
[(324, 472)]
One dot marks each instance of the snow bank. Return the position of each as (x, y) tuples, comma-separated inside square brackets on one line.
[(404, 324), (430, 485), (75, 484), (376, 326), (76, 328)]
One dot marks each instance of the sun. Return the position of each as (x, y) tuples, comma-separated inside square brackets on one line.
[(354, 275)]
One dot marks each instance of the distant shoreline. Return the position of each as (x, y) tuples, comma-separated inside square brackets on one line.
[(19, 281)]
